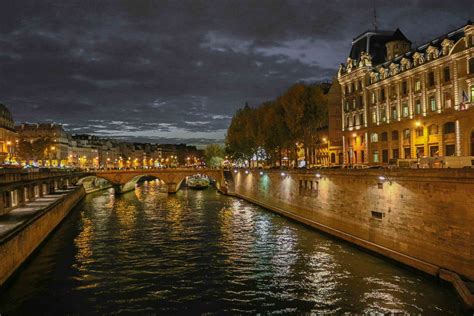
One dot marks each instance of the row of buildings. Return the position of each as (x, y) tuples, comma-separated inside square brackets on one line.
[(49, 145), (394, 101)]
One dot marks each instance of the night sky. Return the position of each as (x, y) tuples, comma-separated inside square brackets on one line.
[(173, 71)]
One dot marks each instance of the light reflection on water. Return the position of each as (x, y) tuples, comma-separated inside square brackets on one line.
[(201, 252)]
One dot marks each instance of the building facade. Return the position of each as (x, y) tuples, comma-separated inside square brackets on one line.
[(52, 139), (8, 137), (399, 102)]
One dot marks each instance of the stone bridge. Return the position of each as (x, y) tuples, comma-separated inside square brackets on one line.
[(125, 180)]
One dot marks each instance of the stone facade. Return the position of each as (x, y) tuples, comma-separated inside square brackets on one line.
[(408, 103)]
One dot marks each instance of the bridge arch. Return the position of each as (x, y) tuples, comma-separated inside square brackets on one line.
[(93, 183), (131, 184), (125, 180)]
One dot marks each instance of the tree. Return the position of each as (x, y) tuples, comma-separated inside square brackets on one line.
[(35, 150), (305, 111), (214, 155), (264, 132), (241, 136)]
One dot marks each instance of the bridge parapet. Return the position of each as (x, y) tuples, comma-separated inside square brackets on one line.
[(12, 176)]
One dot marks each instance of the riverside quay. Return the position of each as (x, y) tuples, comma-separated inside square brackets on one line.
[(228, 158)]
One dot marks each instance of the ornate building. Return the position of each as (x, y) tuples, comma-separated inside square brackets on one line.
[(57, 151), (400, 102), (8, 136)]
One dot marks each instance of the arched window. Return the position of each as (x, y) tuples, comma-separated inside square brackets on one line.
[(394, 135), (433, 129), (449, 128), (384, 136), (374, 137)]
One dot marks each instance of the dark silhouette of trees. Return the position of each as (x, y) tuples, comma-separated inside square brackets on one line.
[(266, 131)]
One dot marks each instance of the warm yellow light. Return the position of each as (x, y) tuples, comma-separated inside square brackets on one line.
[(9, 143), (324, 139), (53, 148), (418, 123), (354, 135)]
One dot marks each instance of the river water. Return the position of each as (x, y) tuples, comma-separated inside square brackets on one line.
[(202, 252)]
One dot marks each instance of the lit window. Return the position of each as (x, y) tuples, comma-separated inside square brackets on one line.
[(406, 134), (417, 85), (376, 155), (418, 107), (383, 114), (374, 116), (374, 137), (405, 109), (394, 113), (433, 104), (472, 93)]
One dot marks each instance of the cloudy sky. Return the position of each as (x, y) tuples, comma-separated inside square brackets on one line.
[(170, 71)]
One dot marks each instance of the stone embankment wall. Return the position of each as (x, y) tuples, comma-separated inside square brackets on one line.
[(17, 245), (422, 218)]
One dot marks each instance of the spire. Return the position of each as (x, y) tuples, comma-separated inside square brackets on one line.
[(374, 23)]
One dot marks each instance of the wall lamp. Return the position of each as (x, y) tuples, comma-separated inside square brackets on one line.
[(261, 173), (283, 174), (318, 175), (235, 171), (246, 172), (383, 179)]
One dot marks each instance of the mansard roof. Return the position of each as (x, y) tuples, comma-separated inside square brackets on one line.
[(399, 36), (373, 42), (426, 52)]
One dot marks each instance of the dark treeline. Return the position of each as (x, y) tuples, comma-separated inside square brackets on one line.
[(272, 129)]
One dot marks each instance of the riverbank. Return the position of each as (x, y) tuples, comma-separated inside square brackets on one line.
[(23, 229), (420, 218)]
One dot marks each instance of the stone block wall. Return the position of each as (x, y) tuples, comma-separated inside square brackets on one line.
[(422, 218)]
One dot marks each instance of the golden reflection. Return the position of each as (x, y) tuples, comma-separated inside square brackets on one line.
[(235, 221)]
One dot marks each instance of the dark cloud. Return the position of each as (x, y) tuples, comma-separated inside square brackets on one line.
[(177, 70)]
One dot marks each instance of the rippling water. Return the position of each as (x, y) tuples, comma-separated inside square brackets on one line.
[(201, 252)]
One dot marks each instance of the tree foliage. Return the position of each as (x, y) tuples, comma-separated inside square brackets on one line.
[(214, 155), (35, 150), (275, 126)]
